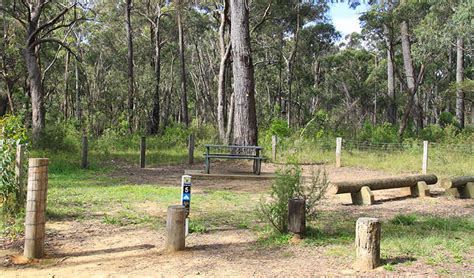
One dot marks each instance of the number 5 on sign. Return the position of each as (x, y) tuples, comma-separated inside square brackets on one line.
[(186, 197)]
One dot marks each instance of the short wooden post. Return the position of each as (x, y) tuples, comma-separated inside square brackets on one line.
[(142, 151), (297, 217), (20, 157), (191, 149), (367, 243), (274, 147), (85, 146), (424, 167), (338, 151), (420, 190), (175, 230), (36, 207)]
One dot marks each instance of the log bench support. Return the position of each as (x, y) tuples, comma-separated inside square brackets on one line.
[(459, 187), (420, 190), (363, 197), (463, 192)]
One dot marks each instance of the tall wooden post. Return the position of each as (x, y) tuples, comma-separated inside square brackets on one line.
[(297, 216), (424, 167), (36, 207), (367, 243), (142, 151), (85, 147), (175, 230), (191, 149), (338, 151), (274, 147)]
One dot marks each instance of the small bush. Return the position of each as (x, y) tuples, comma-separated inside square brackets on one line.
[(288, 185), (12, 193), (279, 127)]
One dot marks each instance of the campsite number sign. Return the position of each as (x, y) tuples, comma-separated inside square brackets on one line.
[(186, 193)]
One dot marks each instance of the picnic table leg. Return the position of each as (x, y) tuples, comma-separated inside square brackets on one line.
[(207, 165), (259, 166)]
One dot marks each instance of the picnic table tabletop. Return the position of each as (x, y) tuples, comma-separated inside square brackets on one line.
[(233, 146)]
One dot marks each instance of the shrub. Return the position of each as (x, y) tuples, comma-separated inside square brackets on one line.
[(446, 118), (287, 185), (279, 127), (12, 133)]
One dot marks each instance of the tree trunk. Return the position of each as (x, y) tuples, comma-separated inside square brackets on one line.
[(77, 102), (184, 97), (154, 123), (66, 86), (392, 105), (245, 118), (131, 82), (410, 75), (36, 91), (290, 68), (225, 54), (459, 80)]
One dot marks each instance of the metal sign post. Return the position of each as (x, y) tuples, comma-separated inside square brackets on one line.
[(186, 197)]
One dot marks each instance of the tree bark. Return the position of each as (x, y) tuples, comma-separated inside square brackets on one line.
[(184, 97), (225, 55), (245, 118), (459, 80), (290, 68), (131, 90)]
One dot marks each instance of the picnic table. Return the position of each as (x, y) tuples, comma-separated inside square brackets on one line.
[(234, 152)]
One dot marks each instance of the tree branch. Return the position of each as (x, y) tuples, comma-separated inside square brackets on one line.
[(53, 40)]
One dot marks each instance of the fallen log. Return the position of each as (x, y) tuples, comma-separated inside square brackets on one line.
[(456, 182), (383, 183)]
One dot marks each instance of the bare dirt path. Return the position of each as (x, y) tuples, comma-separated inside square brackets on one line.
[(93, 249)]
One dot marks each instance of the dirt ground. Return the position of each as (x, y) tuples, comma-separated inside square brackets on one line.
[(94, 249)]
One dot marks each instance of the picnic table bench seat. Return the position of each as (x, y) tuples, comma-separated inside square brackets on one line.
[(234, 152)]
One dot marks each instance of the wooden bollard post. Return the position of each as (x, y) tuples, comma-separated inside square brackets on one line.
[(85, 146), (367, 243), (297, 217), (20, 157), (424, 167), (274, 147), (191, 149), (175, 230), (36, 207), (142, 151), (338, 151)]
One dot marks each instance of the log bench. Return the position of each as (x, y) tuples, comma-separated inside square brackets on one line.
[(234, 152), (361, 191), (459, 187)]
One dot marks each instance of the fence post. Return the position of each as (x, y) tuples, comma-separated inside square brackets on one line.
[(424, 167), (142, 151), (191, 149), (36, 207), (338, 151), (85, 146), (367, 243), (274, 147)]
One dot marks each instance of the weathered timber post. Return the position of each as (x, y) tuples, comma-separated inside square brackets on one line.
[(424, 167), (36, 207), (20, 157), (297, 217), (175, 230), (191, 149), (367, 243), (338, 151), (142, 151), (274, 147), (85, 147)]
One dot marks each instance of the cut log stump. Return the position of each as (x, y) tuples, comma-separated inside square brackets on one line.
[(175, 229), (297, 217), (367, 243), (363, 197)]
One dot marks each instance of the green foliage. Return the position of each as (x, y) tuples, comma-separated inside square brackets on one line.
[(279, 127), (384, 133), (289, 184), (12, 133), (446, 118), (60, 136), (404, 219), (175, 134)]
